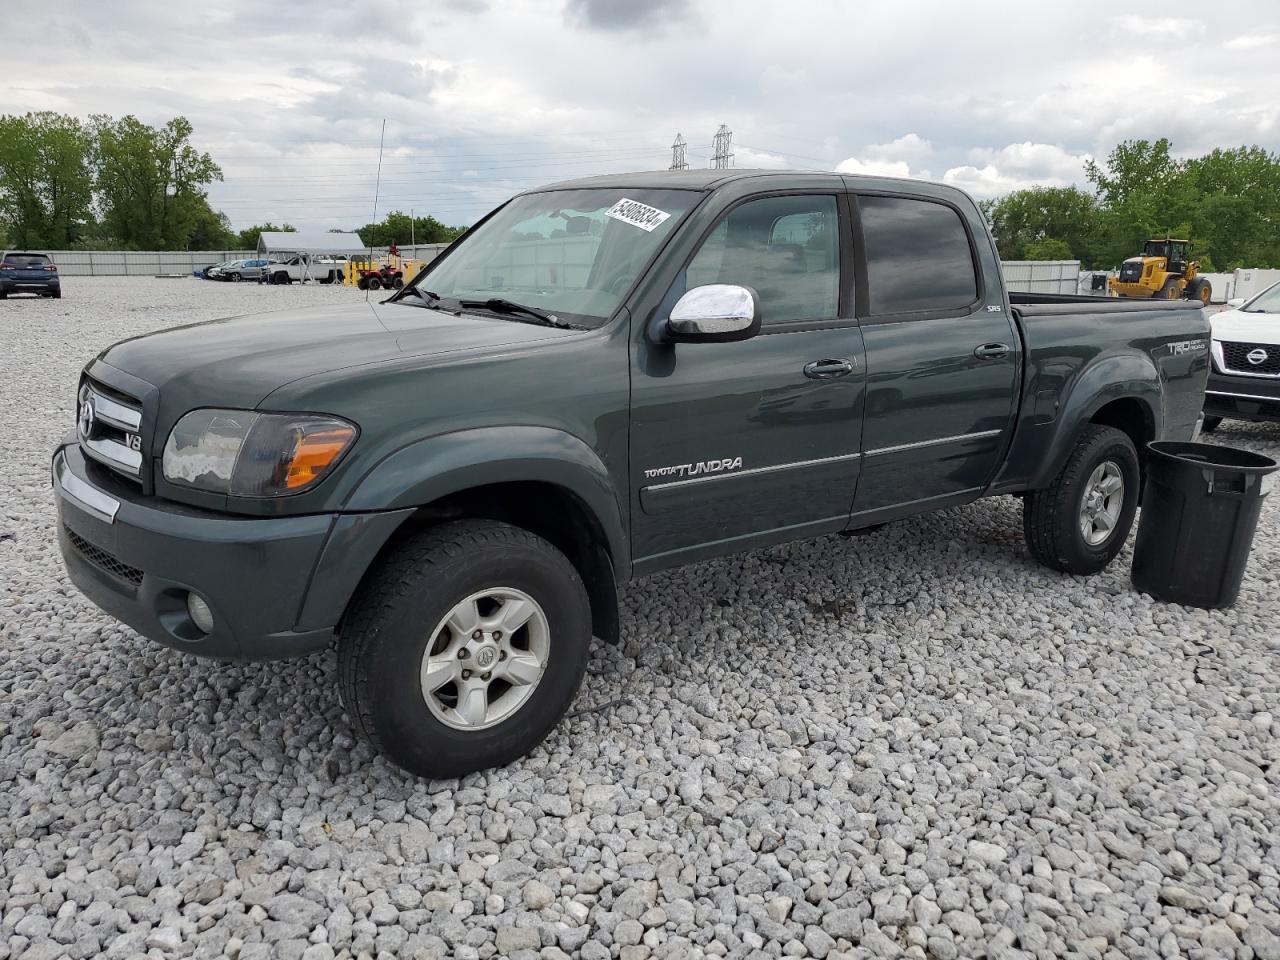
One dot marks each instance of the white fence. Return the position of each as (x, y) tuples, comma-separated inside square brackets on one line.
[(151, 263), (138, 263), (1041, 276)]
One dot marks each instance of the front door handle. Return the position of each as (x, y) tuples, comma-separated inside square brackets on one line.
[(991, 351), (827, 369)]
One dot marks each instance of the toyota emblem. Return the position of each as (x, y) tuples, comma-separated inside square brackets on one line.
[(87, 417), (1256, 356)]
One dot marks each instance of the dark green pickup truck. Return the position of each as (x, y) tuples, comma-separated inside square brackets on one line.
[(602, 379)]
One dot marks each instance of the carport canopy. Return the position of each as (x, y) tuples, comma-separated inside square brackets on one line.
[(313, 243)]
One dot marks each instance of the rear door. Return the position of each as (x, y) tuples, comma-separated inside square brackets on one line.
[(942, 355), (735, 444)]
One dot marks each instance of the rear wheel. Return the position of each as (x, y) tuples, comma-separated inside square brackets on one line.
[(234, 277), (1210, 424), (1081, 520), (398, 282), (464, 648), (374, 283)]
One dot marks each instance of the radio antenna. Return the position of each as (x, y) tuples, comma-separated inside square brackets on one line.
[(377, 187)]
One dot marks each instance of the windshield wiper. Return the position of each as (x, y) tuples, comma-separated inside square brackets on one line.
[(433, 300), (540, 317)]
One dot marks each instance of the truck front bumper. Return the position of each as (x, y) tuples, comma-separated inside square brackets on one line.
[(1242, 398), (272, 589)]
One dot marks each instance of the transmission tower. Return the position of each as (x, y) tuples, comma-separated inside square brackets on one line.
[(722, 158), (678, 159)]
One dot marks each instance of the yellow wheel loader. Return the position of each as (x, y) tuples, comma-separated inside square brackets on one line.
[(1163, 272)]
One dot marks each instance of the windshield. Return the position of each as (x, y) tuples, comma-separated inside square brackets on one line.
[(1268, 301), (571, 253)]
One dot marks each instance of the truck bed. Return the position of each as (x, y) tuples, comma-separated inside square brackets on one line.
[(1079, 350)]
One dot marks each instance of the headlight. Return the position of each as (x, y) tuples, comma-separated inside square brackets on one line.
[(247, 454)]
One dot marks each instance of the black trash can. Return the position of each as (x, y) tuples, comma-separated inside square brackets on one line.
[(1200, 508)]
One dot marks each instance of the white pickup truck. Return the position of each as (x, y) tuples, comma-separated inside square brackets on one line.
[(301, 267)]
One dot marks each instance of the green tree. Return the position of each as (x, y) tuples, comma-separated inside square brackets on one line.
[(247, 239), (1032, 224), (397, 228), (150, 183), (45, 180)]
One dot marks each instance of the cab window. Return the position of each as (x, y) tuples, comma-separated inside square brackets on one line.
[(785, 248), (918, 256)]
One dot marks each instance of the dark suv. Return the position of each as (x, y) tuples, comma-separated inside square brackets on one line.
[(29, 273)]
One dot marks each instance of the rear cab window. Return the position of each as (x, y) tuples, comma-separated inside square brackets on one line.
[(918, 255)]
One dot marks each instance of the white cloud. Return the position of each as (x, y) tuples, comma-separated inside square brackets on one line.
[(746, 157), (1017, 167), (878, 168), (909, 147), (1252, 41), (893, 159), (1145, 26)]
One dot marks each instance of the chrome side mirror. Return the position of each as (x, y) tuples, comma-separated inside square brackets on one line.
[(715, 313), (1235, 303)]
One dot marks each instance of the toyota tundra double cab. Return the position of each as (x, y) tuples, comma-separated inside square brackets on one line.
[(602, 379)]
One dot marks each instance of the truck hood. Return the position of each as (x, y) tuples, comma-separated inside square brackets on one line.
[(1241, 327), (238, 361)]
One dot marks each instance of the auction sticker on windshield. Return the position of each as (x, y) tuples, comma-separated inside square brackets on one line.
[(638, 214)]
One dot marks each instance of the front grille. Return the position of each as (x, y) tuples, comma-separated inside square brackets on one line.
[(108, 424), (103, 560), (1130, 272), (1235, 358)]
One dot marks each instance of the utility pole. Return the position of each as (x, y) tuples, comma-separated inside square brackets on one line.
[(412, 242), (678, 159), (722, 155)]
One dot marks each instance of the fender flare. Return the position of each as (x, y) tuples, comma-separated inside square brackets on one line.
[(1121, 376), (432, 468)]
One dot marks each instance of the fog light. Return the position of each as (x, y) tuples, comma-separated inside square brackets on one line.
[(200, 613)]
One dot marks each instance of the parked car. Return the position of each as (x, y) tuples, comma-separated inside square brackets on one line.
[(22, 272), (454, 481), (302, 267), (237, 270), (1244, 383)]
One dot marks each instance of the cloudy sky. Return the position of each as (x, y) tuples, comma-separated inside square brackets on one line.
[(486, 97)]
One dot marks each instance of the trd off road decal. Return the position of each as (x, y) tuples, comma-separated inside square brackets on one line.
[(638, 214), (686, 471), (1179, 347)]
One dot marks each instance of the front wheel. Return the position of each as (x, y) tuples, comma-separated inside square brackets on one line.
[(234, 277), (1081, 520), (464, 648), (373, 283), (1210, 424)]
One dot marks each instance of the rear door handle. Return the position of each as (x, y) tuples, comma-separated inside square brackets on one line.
[(827, 369), (991, 351)]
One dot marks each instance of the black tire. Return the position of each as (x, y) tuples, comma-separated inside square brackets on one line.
[(1051, 518), (4, 294), (1169, 291), (56, 295), (363, 283), (1199, 289), (373, 283), (234, 277), (386, 632), (1210, 424), (398, 282)]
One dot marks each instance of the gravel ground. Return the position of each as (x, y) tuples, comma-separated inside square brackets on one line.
[(913, 743)]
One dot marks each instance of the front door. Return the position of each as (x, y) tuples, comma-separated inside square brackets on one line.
[(737, 444), (942, 359)]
